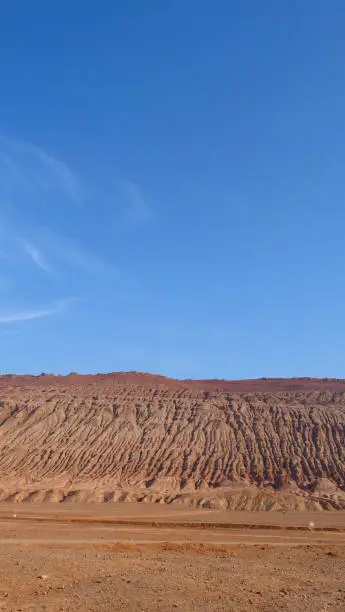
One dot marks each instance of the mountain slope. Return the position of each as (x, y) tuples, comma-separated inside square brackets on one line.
[(252, 444)]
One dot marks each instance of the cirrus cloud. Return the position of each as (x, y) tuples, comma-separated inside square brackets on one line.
[(29, 315)]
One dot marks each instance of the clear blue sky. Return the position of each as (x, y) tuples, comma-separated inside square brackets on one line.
[(172, 182)]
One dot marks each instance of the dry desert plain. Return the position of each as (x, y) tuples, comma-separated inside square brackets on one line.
[(136, 557)]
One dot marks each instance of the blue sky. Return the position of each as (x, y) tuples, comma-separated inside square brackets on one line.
[(172, 187)]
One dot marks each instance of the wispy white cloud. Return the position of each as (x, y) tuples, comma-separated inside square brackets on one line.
[(35, 254), (24, 166), (60, 170), (29, 315), (70, 254), (52, 252), (137, 209)]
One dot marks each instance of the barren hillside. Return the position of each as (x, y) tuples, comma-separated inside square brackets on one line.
[(263, 444)]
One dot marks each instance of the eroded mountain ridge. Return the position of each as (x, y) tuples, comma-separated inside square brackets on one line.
[(251, 444)]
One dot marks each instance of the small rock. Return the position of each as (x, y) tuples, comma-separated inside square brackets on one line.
[(42, 577)]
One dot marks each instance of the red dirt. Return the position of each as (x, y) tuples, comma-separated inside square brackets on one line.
[(261, 385), (63, 565)]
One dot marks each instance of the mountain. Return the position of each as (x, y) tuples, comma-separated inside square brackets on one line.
[(256, 444)]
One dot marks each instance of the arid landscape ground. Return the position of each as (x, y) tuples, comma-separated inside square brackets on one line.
[(235, 494), (153, 557)]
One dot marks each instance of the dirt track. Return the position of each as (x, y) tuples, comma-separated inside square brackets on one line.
[(135, 557)]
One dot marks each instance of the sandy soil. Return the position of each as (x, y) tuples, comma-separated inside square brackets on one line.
[(135, 557)]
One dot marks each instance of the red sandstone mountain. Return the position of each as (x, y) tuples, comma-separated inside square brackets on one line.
[(268, 443)]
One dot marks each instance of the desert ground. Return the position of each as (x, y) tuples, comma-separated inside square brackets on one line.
[(139, 557), (134, 492)]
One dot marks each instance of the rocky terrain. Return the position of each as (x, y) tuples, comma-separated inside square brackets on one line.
[(262, 444)]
